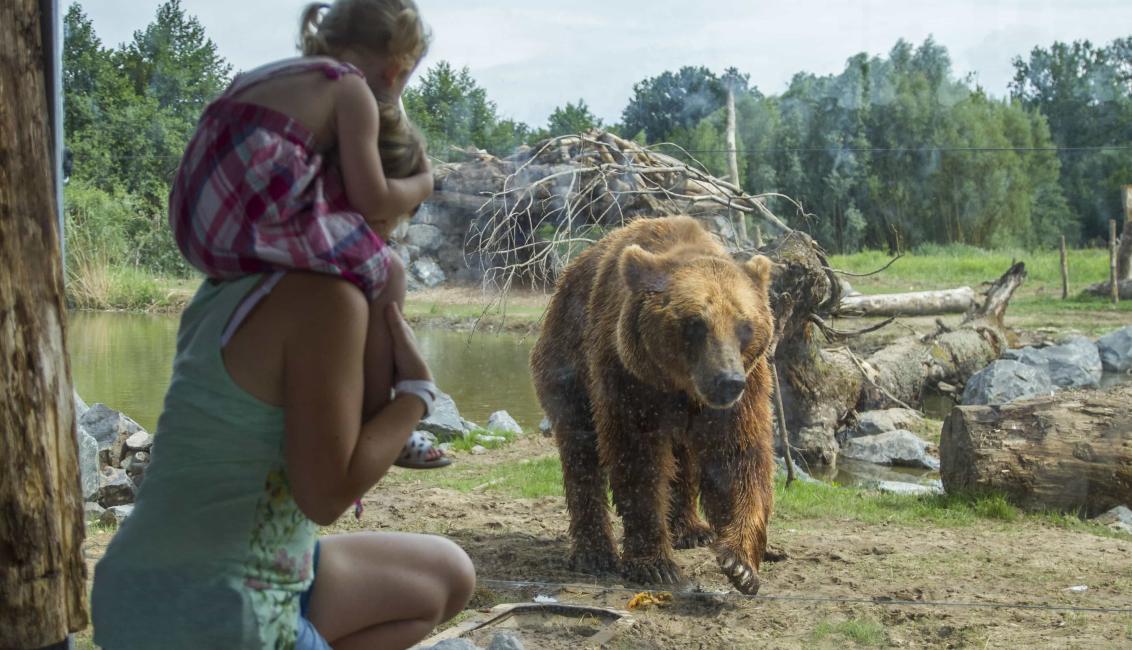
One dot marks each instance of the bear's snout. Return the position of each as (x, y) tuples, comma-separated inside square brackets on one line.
[(726, 388)]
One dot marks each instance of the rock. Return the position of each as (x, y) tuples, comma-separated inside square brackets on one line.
[(479, 449), (105, 425), (430, 215), (1119, 518), (502, 421), (1075, 363), (1115, 349), (469, 425), (899, 447), (799, 473), (454, 644), (428, 272), (544, 427), (92, 512), (505, 641), (140, 441), (863, 473), (80, 406), (88, 464), (403, 252), (114, 516), (910, 489), (490, 439), (445, 422), (115, 488), (428, 238), (871, 423), (135, 465), (1004, 381)]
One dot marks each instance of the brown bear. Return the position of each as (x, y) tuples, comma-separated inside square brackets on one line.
[(651, 367)]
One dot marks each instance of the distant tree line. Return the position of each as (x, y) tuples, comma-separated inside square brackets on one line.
[(893, 151)]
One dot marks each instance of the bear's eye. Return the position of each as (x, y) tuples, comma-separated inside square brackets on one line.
[(745, 332), (695, 330)]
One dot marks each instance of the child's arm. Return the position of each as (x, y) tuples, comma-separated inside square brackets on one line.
[(379, 199)]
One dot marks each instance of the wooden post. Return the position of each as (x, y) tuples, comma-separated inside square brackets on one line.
[(1124, 254), (42, 572), (733, 156), (1112, 276), (1064, 270)]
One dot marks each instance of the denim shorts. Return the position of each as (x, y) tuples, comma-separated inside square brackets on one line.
[(309, 638)]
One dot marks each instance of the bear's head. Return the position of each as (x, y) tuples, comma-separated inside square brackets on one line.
[(698, 320)]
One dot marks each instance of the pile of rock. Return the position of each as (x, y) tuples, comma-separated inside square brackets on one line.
[(1076, 362), (113, 455), (889, 438)]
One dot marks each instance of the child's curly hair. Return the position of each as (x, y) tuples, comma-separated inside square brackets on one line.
[(400, 143), (392, 28)]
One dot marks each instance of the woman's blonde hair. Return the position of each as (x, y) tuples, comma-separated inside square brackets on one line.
[(392, 28)]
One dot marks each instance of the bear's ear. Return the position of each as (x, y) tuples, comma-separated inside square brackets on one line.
[(642, 270), (758, 267)]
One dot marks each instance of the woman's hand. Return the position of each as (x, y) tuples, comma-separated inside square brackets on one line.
[(407, 360)]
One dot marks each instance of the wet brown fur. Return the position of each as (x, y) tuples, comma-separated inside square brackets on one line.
[(617, 377)]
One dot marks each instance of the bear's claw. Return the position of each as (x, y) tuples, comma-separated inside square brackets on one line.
[(651, 572), (593, 561), (693, 536), (742, 576)]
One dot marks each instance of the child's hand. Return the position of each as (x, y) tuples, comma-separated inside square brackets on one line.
[(407, 360)]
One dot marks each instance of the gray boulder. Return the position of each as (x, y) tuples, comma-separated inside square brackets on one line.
[(1119, 518), (115, 515), (502, 421), (135, 465), (428, 272), (908, 489), (544, 426), (430, 215), (1115, 349), (445, 422), (870, 423), (92, 512), (80, 406), (115, 488), (899, 447), (799, 473), (88, 464), (454, 644), (140, 441), (1004, 381), (428, 238), (106, 425), (1076, 363), (505, 641)]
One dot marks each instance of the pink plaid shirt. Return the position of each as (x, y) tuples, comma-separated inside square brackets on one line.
[(251, 194)]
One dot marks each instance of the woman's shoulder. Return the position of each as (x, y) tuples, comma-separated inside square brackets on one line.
[(326, 296)]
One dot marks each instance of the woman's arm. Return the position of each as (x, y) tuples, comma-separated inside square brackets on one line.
[(379, 199), (332, 456)]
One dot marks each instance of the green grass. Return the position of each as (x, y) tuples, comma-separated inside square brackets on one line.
[(862, 632), (92, 285), (485, 438), (424, 310), (527, 479)]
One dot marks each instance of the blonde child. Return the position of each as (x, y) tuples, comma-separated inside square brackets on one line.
[(272, 425)]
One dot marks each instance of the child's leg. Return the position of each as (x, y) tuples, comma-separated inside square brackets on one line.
[(379, 342), (387, 590), (379, 355)]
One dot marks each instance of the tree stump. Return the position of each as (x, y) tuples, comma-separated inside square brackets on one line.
[(1071, 452), (42, 573)]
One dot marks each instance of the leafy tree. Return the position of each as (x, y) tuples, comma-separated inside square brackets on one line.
[(572, 118), (662, 104)]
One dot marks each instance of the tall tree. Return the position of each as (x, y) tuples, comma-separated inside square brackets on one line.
[(572, 118), (662, 104)]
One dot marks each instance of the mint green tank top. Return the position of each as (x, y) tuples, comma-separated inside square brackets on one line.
[(216, 553)]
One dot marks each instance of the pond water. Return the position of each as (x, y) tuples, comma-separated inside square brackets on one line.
[(125, 360)]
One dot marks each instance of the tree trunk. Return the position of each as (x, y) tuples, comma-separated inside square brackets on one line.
[(916, 303), (1071, 452), (42, 573), (1124, 255), (733, 156)]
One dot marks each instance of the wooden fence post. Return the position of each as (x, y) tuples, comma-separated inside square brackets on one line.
[(1064, 270), (42, 572), (1113, 278)]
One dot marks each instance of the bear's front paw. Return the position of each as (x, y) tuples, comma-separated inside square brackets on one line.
[(742, 575), (593, 561), (691, 535), (651, 572)]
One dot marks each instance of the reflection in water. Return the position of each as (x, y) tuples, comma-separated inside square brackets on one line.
[(125, 360)]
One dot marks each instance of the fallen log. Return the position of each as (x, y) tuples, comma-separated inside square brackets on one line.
[(916, 303), (1071, 452)]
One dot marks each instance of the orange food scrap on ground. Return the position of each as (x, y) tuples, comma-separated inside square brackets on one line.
[(650, 598)]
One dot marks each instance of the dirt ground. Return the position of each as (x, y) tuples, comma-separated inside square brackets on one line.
[(834, 586)]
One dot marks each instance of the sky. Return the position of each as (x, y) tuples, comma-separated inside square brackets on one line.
[(533, 55)]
